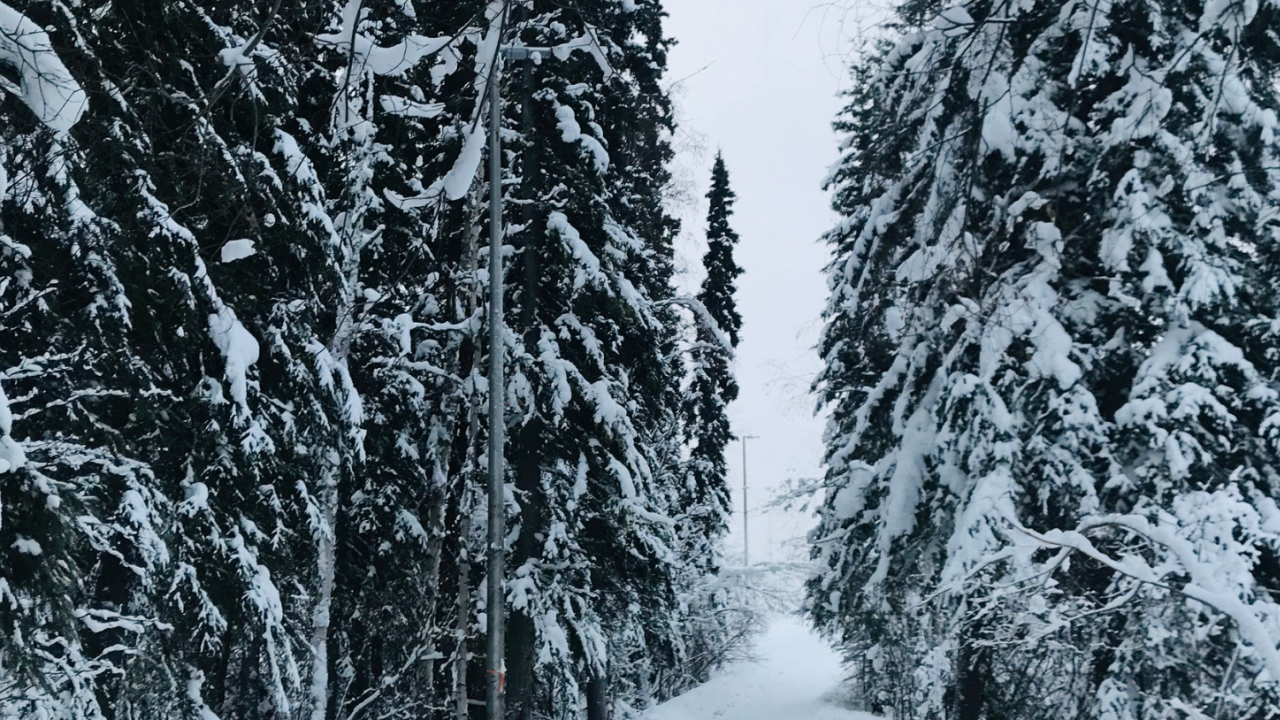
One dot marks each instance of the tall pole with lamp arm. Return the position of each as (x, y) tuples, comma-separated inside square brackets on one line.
[(495, 606)]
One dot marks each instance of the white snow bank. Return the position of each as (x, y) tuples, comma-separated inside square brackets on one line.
[(794, 673), (46, 85)]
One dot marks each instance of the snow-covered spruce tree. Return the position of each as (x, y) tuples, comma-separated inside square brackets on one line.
[(713, 386), (213, 259), (592, 380), (139, 426), (1050, 364), (184, 160), (78, 511), (703, 497)]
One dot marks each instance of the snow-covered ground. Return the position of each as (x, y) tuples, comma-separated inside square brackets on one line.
[(792, 672)]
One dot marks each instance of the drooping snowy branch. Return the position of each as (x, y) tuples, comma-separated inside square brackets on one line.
[(45, 86)]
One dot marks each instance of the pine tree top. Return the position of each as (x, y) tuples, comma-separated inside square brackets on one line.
[(722, 269)]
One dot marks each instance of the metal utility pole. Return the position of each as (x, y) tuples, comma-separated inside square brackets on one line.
[(746, 556), (495, 606)]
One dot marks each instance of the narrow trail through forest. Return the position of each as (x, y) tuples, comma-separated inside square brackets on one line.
[(791, 673)]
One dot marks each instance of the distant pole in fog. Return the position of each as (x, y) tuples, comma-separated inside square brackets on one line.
[(746, 555)]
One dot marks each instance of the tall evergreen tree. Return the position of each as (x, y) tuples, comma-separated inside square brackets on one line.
[(232, 219), (712, 386), (703, 496), (1050, 365), (80, 519), (590, 387)]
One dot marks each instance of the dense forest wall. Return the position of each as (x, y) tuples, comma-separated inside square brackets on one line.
[(243, 397)]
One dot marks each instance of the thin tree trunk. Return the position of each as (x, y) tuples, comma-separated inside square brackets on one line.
[(436, 531), (325, 563), (522, 634), (327, 500), (530, 185), (462, 629), (971, 676)]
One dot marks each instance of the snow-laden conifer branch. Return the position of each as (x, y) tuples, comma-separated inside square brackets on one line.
[(45, 85), (1255, 619), (706, 321), (239, 59)]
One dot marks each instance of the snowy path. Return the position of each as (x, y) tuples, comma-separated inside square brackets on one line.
[(793, 671)]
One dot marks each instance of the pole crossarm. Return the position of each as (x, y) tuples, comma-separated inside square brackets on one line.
[(522, 52)]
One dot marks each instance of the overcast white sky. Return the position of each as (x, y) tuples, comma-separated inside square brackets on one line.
[(760, 82)]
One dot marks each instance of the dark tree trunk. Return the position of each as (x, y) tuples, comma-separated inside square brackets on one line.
[(971, 677), (529, 188), (521, 632), (598, 698), (522, 636), (521, 641)]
